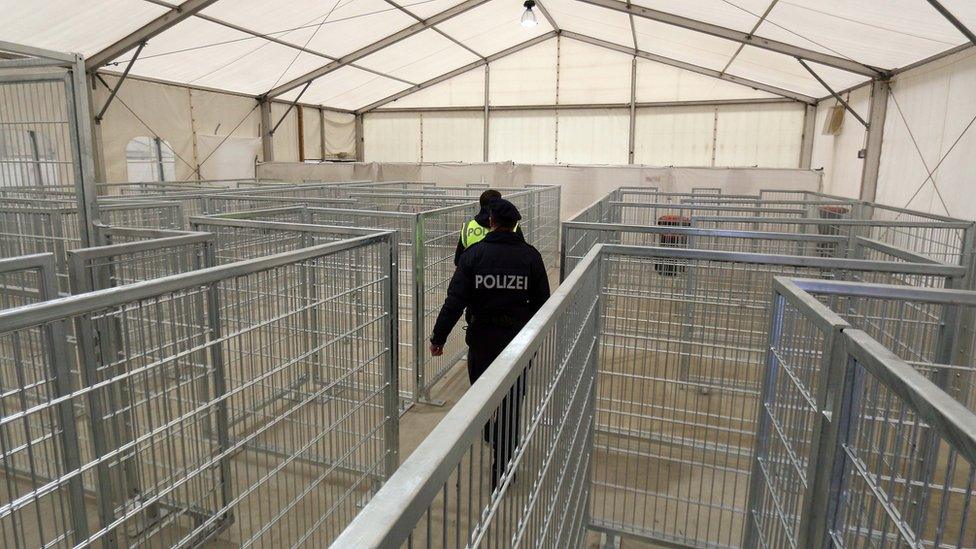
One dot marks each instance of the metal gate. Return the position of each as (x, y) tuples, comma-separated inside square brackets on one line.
[(45, 131)]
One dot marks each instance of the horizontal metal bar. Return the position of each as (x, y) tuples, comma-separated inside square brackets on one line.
[(694, 231), (887, 291), (588, 106), (402, 501), (31, 51), (950, 419), (844, 222), (141, 246), (32, 315), (827, 263), (27, 262)]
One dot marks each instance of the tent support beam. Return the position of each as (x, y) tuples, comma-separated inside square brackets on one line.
[(267, 138), (435, 29), (174, 16), (587, 106), (809, 129), (833, 93), (873, 139), (360, 140), (633, 110), (487, 107), (690, 67), (321, 134), (952, 19), (115, 90), (740, 37), (545, 13), (290, 107), (458, 71), (416, 28)]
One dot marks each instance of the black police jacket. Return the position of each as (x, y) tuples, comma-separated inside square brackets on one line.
[(501, 280)]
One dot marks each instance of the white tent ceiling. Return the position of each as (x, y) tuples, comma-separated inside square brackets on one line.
[(361, 52)]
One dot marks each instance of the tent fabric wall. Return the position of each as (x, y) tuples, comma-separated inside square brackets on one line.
[(581, 185), (392, 137), (145, 109), (312, 133), (453, 136), (286, 136), (680, 136), (340, 134), (521, 136), (933, 106), (929, 110), (213, 134), (836, 155), (593, 136), (754, 134), (763, 135)]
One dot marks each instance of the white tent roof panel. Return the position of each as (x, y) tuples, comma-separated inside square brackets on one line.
[(526, 78), (740, 15), (492, 27), (464, 90), (71, 25), (657, 82), (347, 88), (334, 27), (592, 75), (885, 33), (786, 72), (419, 58), (683, 45), (202, 53), (590, 20)]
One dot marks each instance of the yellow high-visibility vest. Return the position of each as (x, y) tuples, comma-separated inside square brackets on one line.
[(473, 233)]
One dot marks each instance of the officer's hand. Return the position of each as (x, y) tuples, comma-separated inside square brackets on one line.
[(436, 350)]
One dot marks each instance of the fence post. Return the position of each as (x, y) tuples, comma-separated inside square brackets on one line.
[(220, 389), (831, 393), (751, 536), (421, 393), (563, 239), (391, 400), (57, 355)]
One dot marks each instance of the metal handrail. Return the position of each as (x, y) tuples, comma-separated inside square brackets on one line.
[(392, 513)]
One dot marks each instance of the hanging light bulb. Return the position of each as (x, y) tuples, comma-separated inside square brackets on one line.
[(528, 18)]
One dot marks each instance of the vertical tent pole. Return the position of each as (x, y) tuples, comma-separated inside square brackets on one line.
[(873, 139)]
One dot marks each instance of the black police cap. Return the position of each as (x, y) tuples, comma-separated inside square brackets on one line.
[(503, 211)]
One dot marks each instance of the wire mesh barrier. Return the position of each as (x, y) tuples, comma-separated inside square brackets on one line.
[(427, 241), (135, 255), (245, 404), (867, 435), (682, 357), (509, 464), (26, 279), (650, 213), (579, 237), (677, 364), (30, 230)]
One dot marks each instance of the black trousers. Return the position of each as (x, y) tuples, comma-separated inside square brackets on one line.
[(502, 430)]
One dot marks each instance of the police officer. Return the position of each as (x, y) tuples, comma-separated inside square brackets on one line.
[(503, 282), (475, 230)]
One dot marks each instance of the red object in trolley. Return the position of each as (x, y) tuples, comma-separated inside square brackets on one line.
[(672, 267)]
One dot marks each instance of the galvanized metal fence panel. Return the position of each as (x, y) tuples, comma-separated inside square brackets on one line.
[(943, 241), (683, 351), (240, 404), (427, 241), (842, 455), (532, 412), (29, 230)]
